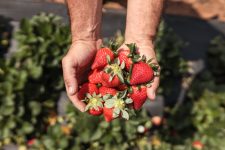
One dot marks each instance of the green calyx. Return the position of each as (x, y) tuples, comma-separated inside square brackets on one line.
[(154, 66), (119, 102), (133, 48), (133, 52), (113, 46), (115, 69), (93, 101)]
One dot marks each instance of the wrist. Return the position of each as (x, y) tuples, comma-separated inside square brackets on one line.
[(85, 36), (95, 44), (141, 41)]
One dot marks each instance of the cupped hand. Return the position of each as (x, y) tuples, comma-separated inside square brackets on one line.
[(76, 65), (146, 48)]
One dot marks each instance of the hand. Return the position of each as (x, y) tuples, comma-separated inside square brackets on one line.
[(146, 48), (76, 65)]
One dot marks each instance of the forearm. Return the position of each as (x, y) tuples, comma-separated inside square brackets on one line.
[(143, 17), (85, 17)]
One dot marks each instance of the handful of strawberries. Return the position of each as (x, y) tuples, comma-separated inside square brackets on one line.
[(117, 82)]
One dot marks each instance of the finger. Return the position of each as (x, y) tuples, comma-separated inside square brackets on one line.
[(151, 91), (77, 103), (69, 75)]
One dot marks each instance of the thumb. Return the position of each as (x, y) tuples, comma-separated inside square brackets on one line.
[(69, 75)]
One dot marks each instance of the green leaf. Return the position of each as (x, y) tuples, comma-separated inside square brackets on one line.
[(109, 103), (35, 107), (27, 127), (108, 59), (120, 76), (122, 65), (116, 112), (125, 115), (128, 101)]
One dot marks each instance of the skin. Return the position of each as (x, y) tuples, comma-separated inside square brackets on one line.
[(143, 17)]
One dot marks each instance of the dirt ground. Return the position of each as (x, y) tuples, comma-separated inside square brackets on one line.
[(204, 9)]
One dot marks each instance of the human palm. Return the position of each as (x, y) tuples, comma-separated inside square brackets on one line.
[(147, 49), (76, 65)]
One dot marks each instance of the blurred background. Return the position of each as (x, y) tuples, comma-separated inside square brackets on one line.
[(188, 114)]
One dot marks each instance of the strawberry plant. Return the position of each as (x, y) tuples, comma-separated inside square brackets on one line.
[(5, 35), (216, 59), (31, 83), (168, 46)]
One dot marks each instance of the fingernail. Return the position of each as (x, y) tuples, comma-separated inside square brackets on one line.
[(71, 90)]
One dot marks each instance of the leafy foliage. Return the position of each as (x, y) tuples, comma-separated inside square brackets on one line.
[(31, 83), (216, 59), (5, 35), (173, 66)]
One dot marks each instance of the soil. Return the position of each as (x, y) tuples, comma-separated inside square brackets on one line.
[(204, 9)]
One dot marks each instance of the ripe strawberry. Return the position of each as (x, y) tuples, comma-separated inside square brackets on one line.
[(101, 58), (108, 114), (95, 76), (106, 80), (96, 112), (31, 142), (87, 88), (139, 96), (105, 90), (141, 73), (113, 75), (94, 104), (118, 103), (123, 56), (156, 120), (122, 87), (198, 145)]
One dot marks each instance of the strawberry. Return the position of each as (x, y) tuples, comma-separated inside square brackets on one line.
[(95, 112), (118, 105), (122, 87), (198, 145), (138, 95), (141, 73), (105, 90), (128, 56), (95, 76), (108, 114), (123, 56), (113, 75), (94, 104), (101, 58), (114, 82), (87, 88), (31, 142)]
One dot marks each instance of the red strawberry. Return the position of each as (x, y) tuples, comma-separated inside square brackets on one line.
[(101, 58), (123, 56), (105, 90), (198, 145), (31, 142), (122, 87), (95, 76), (96, 112), (94, 104), (139, 96), (108, 114), (87, 88), (141, 73), (106, 80)]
